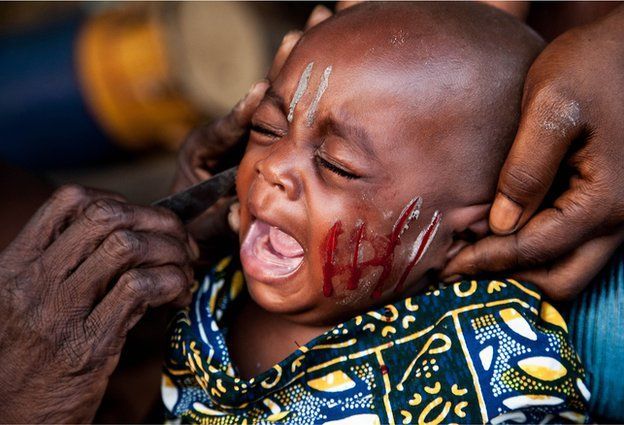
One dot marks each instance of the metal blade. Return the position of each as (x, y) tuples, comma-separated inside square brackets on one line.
[(193, 201)]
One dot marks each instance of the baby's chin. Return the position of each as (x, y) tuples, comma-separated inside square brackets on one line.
[(303, 302)]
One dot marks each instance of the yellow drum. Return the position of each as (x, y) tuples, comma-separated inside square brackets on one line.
[(151, 72)]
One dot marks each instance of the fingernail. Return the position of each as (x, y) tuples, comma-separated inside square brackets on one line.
[(504, 215), (194, 248), (258, 85), (256, 89), (453, 278), (234, 217), (319, 10), (291, 36)]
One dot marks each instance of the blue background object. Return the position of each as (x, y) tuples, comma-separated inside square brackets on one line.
[(597, 328), (44, 121)]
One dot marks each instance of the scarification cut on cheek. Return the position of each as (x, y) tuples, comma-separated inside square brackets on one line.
[(302, 86), (384, 250), (420, 247), (356, 271), (331, 242)]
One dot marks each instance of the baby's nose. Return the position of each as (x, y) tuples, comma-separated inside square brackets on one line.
[(280, 173)]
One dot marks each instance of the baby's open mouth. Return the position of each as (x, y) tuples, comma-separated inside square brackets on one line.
[(268, 252)]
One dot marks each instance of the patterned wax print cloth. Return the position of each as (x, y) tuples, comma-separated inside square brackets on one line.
[(472, 352)]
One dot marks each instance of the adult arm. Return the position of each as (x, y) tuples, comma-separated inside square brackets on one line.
[(79, 275), (571, 131)]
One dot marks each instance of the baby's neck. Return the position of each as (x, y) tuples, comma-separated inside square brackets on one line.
[(258, 339)]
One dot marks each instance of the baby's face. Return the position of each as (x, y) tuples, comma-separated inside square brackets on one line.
[(339, 207)]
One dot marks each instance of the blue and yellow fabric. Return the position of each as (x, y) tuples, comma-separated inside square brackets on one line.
[(475, 351)]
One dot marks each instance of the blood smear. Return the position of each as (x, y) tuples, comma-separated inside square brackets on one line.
[(384, 253), (330, 260)]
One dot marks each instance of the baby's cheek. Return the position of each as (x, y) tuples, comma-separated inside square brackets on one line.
[(351, 255), (360, 256)]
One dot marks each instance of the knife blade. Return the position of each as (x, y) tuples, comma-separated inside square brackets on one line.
[(193, 201)]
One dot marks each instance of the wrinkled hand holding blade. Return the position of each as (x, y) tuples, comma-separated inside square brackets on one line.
[(193, 201)]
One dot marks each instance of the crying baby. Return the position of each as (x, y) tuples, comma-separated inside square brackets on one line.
[(372, 160)]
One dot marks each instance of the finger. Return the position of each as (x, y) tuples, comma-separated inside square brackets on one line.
[(519, 9), (342, 5), (134, 292), (121, 251), (549, 235), (99, 220), (567, 277), (288, 43), (318, 15), (55, 215), (208, 142), (547, 127)]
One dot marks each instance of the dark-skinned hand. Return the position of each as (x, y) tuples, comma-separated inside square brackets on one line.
[(80, 274), (571, 131)]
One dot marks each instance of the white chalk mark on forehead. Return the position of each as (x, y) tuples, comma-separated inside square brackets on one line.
[(319, 93), (301, 89)]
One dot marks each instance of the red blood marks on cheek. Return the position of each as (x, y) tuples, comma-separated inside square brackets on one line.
[(383, 247), (420, 247), (409, 213), (356, 271), (329, 252)]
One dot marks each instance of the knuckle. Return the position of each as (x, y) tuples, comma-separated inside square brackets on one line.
[(136, 284), (105, 211), (554, 105), (170, 221), (70, 193), (521, 184), (582, 212), (533, 250), (548, 93), (122, 244), (179, 278)]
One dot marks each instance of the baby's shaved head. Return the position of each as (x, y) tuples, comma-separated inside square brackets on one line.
[(376, 151), (461, 64)]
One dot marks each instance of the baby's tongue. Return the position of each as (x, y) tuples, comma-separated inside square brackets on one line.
[(284, 244)]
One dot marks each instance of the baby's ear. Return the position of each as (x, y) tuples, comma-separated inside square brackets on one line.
[(468, 224)]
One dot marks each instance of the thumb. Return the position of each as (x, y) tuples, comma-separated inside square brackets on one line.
[(547, 128), (210, 141), (228, 130)]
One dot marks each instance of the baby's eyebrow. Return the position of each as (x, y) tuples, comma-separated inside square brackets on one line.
[(275, 99), (352, 132)]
